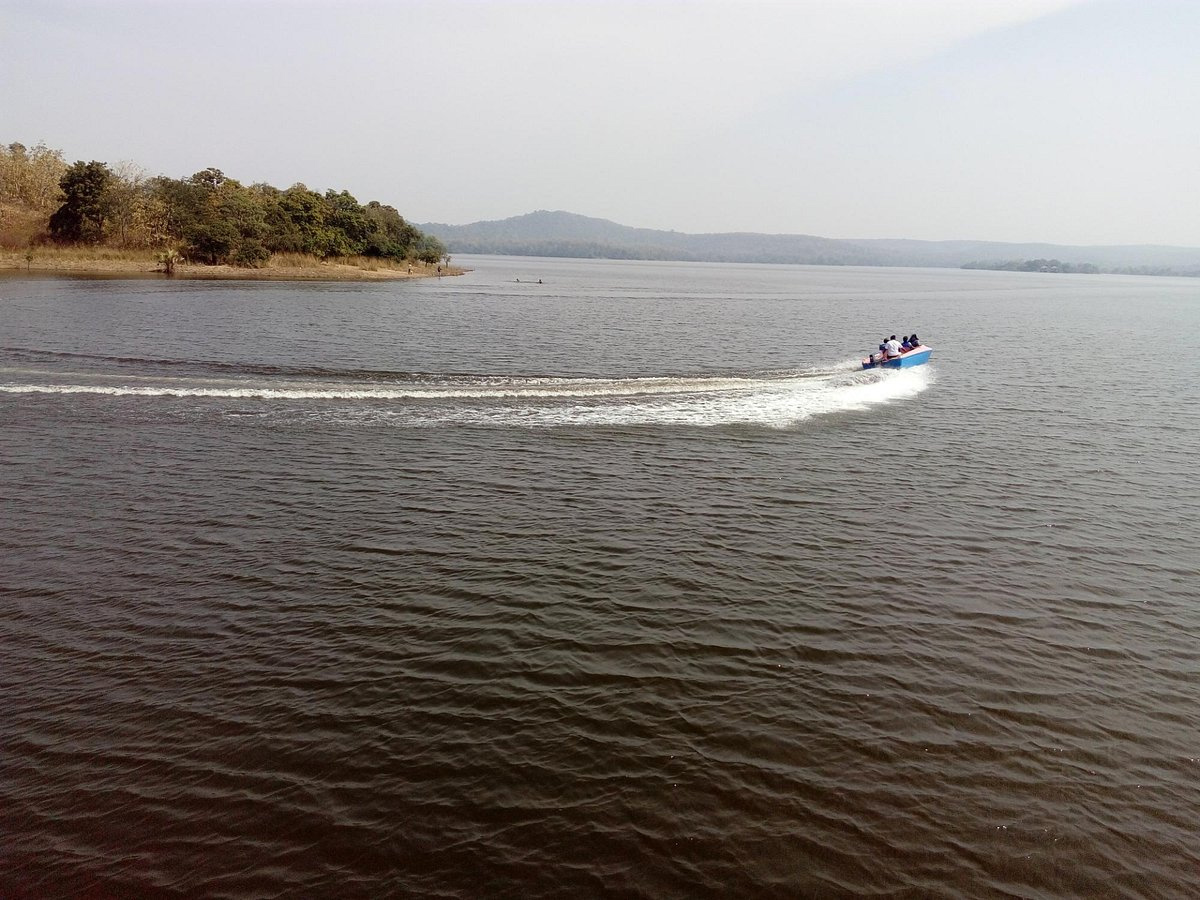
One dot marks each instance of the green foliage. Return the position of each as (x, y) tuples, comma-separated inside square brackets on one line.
[(169, 259), (81, 218), (181, 205), (251, 253), (347, 219), (390, 236), (220, 221), (429, 249), (209, 216), (1036, 265), (210, 241), (210, 179)]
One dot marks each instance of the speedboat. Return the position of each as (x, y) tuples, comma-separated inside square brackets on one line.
[(916, 357)]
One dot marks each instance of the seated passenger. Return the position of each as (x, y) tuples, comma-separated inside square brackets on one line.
[(905, 346), (914, 341), (892, 347)]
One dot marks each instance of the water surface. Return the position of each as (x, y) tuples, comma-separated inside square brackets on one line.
[(629, 582)]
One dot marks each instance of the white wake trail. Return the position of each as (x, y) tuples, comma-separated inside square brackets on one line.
[(501, 388), (774, 405), (771, 400)]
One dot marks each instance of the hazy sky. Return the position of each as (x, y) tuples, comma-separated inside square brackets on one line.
[(1074, 121)]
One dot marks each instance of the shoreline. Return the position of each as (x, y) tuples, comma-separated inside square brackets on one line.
[(13, 263)]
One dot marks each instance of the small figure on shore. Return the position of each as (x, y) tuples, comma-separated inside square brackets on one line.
[(539, 281)]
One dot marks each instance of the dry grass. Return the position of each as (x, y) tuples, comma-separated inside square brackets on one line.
[(52, 258), (115, 261), (293, 261), (366, 263), (19, 226), (374, 263), (52, 253)]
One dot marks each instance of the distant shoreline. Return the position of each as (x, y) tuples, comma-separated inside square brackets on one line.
[(567, 235), (14, 262)]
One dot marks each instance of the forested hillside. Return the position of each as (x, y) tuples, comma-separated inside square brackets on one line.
[(545, 233), (207, 217)]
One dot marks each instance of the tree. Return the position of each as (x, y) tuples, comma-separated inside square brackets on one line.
[(82, 216), (345, 215), (14, 166), (126, 205), (390, 235), (211, 242), (226, 224), (178, 206), (208, 215), (429, 249), (46, 168), (242, 208), (298, 220), (30, 177), (209, 178)]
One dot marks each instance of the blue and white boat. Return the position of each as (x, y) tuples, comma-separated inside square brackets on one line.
[(918, 356)]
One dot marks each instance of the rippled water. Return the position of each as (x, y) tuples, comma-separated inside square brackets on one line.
[(626, 583)]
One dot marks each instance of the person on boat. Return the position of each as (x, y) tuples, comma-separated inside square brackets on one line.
[(914, 341), (905, 346), (892, 347)]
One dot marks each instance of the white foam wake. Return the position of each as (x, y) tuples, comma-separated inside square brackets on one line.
[(536, 388), (772, 400), (774, 405)]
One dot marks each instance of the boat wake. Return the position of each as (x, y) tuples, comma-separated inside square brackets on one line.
[(773, 398)]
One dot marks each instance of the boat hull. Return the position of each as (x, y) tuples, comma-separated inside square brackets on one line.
[(917, 357)]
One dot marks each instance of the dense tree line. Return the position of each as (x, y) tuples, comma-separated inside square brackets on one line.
[(208, 217), (1036, 265), (1054, 265)]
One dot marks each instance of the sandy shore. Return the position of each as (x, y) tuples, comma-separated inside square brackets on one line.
[(14, 262)]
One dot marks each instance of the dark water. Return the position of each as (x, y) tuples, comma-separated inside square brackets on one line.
[(624, 584)]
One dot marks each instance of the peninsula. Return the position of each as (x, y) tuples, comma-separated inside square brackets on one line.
[(90, 218)]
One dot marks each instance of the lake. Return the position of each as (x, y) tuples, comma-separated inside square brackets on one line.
[(628, 582)]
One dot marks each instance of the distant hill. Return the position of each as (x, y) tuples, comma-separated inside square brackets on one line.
[(544, 233)]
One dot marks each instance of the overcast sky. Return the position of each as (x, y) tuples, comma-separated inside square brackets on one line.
[(1073, 121)]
